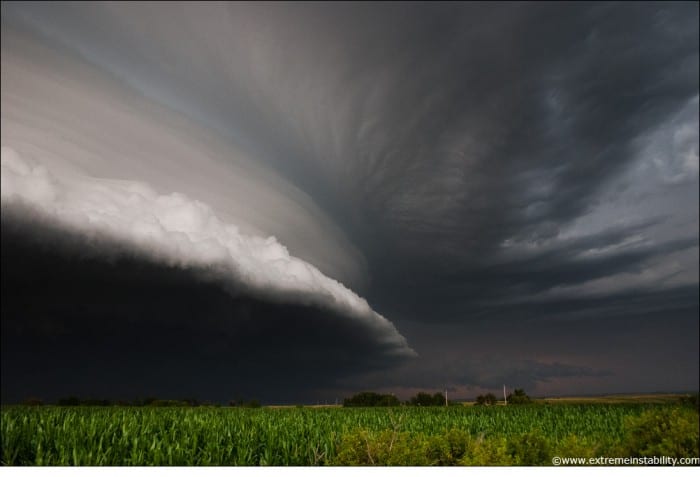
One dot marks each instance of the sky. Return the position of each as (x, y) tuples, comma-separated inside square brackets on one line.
[(295, 202)]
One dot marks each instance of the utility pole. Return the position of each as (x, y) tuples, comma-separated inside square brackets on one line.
[(505, 398)]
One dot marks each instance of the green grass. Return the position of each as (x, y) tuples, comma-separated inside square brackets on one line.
[(301, 436)]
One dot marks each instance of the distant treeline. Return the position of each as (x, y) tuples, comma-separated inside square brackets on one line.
[(519, 396), (371, 399), (149, 401)]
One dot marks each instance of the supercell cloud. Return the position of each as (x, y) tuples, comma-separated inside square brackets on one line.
[(204, 194), (183, 233), (73, 124)]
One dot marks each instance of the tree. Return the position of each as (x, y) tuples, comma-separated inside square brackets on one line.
[(425, 399), (388, 400), (486, 399), (519, 397), (371, 399), (439, 399), (422, 399)]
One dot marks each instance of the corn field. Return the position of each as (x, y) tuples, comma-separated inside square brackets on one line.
[(289, 436)]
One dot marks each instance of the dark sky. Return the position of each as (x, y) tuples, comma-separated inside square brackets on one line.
[(296, 202)]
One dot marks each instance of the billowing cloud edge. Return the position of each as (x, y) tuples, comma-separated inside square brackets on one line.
[(178, 231)]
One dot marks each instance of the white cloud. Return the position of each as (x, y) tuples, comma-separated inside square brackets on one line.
[(182, 232)]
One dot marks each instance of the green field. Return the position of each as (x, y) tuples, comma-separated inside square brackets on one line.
[(469, 435)]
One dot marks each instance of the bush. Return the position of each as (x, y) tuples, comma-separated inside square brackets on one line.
[(691, 400), (575, 446), (392, 447), (455, 447), (362, 447), (529, 449), (482, 452), (663, 432), (448, 448)]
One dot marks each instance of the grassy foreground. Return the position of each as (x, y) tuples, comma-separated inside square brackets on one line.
[(496, 435)]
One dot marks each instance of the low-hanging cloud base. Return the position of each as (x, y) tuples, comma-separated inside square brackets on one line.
[(123, 326), (110, 288)]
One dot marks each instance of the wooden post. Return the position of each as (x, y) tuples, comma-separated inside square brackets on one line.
[(505, 398)]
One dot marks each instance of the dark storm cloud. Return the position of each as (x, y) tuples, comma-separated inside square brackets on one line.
[(644, 340), (82, 316), (460, 124), (526, 374), (484, 289), (441, 130), (482, 373), (177, 231), (495, 164)]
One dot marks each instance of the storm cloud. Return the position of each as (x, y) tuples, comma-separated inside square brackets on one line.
[(82, 318), (509, 179), (181, 233)]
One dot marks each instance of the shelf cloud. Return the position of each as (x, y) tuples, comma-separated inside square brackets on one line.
[(180, 232), (353, 193)]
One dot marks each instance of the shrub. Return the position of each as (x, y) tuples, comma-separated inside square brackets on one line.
[(448, 448), (691, 400), (481, 452), (529, 449), (454, 447), (389, 447), (575, 446), (664, 432)]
